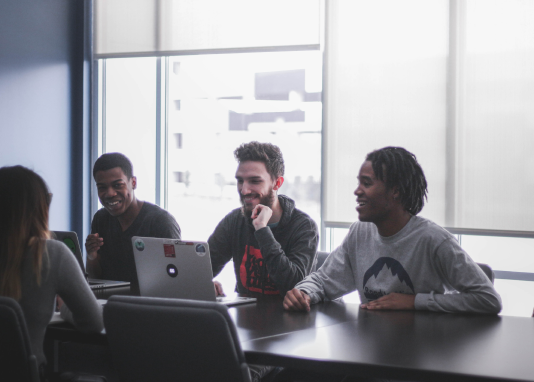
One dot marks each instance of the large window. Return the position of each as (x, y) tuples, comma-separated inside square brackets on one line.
[(183, 83), (450, 80), (129, 119), (180, 118), (217, 102)]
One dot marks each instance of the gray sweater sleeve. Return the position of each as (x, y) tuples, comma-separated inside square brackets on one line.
[(334, 279), (287, 268), (474, 292), (81, 307)]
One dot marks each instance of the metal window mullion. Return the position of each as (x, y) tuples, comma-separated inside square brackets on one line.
[(324, 127), (95, 122), (451, 122), (104, 109), (97, 86), (158, 130), (455, 86), (164, 135), (98, 135), (161, 130)]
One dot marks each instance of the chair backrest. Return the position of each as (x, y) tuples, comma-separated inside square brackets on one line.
[(488, 271), (319, 260), (159, 339), (16, 358)]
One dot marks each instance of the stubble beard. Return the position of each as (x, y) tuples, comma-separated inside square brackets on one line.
[(267, 200)]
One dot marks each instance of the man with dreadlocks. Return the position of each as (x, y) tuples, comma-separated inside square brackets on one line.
[(394, 258)]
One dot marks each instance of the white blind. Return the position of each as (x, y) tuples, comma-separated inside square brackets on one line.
[(495, 164), (388, 79), (386, 86), (151, 26)]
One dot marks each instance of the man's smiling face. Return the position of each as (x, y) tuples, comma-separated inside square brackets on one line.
[(255, 186), (115, 190), (374, 200)]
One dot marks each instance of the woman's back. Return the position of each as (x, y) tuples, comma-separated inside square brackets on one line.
[(33, 270), (60, 274)]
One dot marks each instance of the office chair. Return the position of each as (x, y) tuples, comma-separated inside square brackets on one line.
[(319, 260), (159, 339), (17, 362), (488, 271)]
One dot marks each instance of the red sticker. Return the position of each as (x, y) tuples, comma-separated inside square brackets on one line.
[(169, 250)]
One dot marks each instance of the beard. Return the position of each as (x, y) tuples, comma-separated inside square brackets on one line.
[(267, 200)]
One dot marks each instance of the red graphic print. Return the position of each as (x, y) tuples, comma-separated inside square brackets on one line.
[(253, 274)]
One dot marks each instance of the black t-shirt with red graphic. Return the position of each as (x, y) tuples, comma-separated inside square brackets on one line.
[(269, 261)]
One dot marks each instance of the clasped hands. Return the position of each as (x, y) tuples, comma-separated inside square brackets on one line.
[(297, 300), (392, 301)]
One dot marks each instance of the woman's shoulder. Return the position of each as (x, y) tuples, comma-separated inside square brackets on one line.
[(57, 251), (55, 245)]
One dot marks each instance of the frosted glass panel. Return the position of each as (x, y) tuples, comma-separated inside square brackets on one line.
[(496, 124), (501, 253), (386, 86)]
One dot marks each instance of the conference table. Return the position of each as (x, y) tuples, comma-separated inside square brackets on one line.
[(340, 338)]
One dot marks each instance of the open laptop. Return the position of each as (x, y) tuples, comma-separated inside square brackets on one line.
[(71, 240), (177, 269)]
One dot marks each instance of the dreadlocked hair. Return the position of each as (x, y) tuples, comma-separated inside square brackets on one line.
[(398, 167)]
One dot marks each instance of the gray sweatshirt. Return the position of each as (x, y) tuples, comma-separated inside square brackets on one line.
[(61, 274), (422, 259)]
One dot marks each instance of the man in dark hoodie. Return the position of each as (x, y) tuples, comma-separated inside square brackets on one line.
[(272, 243)]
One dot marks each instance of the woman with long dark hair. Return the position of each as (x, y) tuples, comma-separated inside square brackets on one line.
[(34, 269)]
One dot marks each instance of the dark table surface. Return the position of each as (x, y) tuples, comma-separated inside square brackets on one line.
[(341, 338), (344, 339)]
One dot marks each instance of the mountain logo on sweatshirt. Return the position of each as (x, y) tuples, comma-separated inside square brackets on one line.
[(386, 276)]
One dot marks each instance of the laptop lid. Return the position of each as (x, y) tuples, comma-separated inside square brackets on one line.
[(70, 239), (173, 268)]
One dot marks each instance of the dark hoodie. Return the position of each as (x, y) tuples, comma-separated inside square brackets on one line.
[(269, 261)]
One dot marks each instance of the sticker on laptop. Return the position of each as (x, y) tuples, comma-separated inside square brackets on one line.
[(179, 242), (139, 245), (70, 243), (200, 249), (168, 249), (172, 270)]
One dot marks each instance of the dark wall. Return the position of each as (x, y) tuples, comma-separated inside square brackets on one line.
[(44, 100)]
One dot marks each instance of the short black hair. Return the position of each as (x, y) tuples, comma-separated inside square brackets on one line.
[(267, 153), (112, 160), (400, 169)]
